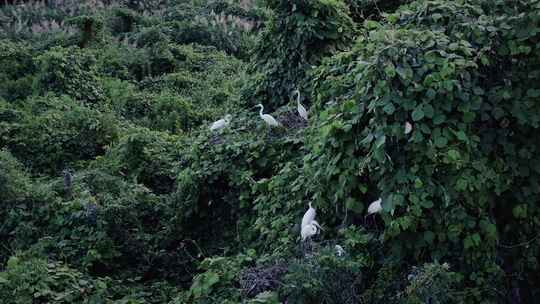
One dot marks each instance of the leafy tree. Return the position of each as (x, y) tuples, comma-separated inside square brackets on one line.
[(449, 186), (69, 71), (297, 36), (35, 280), (55, 132), (16, 69)]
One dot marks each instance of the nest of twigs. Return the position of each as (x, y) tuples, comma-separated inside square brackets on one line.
[(291, 120), (255, 280), (215, 139)]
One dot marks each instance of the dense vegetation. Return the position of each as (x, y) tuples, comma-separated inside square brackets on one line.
[(114, 190)]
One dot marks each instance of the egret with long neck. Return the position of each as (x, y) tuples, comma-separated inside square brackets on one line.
[(301, 110), (268, 119)]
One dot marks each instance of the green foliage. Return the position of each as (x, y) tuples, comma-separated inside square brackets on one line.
[(69, 71), (218, 183), (21, 211), (215, 283), (431, 283), (13, 181), (297, 36), (89, 27), (123, 20), (445, 186), (35, 280), (324, 278), (266, 297), (55, 132), (225, 25), (145, 156), (372, 9), (160, 111), (430, 105), (16, 69)]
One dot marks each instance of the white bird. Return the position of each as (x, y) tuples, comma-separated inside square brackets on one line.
[(339, 250), (310, 230), (408, 128), (301, 110), (220, 124), (375, 207), (316, 224), (271, 121), (309, 216)]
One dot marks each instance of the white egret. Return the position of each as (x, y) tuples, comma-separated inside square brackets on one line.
[(301, 110), (408, 128), (309, 227), (268, 119), (375, 207), (309, 216), (310, 230), (339, 250), (314, 223), (220, 124)]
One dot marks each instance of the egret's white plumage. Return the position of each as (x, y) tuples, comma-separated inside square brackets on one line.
[(220, 124), (408, 127), (339, 250), (375, 207), (309, 216), (314, 223), (308, 231), (310, 227), (271, 121), (301, 110)]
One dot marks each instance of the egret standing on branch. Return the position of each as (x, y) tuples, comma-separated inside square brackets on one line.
[(310, 230), (375, 207), (220, 124), (301, 110), (310, 227), (339, 250), (268, 119), (408, 128), (309, 216)]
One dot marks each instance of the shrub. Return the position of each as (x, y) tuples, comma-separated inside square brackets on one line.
[(373, 9), (297, 36), (222, 176), (16, 69), (431, 283), (447, 185), (123, 20), (119, 61), (22, 211), (35, 280), (90, 29), (13, 181), (432, 107), (324, 278), (216, 282), (225, 26), (145, 156), (56, 132), (160, 111), (70, 71)]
